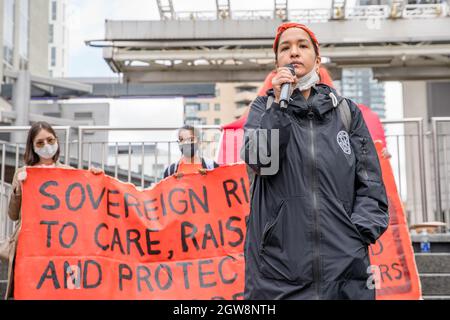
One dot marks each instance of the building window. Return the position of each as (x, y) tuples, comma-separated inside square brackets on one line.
[(64, 15), (54, 8), (243, 103), (217, 107), (8, 31), (204, 107), (51, 33), (217, 121), (53, 57), (191, 109), (124, 150), (83, 116), (24, 28), (246, 88), (53, 114)]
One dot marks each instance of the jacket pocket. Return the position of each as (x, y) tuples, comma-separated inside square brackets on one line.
[(348, 213), (268, 229), (285, 249)]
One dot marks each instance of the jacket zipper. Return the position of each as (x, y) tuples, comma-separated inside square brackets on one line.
[(316, 250)]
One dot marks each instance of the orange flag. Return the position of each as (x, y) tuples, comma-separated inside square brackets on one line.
[(393, 255)]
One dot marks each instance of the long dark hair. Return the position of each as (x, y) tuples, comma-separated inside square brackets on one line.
[(30, 157)]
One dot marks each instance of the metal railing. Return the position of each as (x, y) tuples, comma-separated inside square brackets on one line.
[(24, 129), (309, 15), (440, 140), (196, 15), (6, 225), (407, 143), (133, 154), (367, 12), (415, 11)]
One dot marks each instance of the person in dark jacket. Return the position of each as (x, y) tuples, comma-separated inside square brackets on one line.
[(318, 199), (190, 161)]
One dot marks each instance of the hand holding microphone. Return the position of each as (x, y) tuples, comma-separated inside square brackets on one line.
[(282, 84)]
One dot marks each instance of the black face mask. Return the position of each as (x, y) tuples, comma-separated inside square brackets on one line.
[(188, 149)]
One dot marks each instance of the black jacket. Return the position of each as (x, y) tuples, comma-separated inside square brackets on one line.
[(311, 221)]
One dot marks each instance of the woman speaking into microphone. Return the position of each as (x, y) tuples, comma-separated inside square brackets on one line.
[(318, 198)]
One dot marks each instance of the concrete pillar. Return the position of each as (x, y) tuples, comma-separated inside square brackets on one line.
[(21, 104), (415, 99), (38, 49)]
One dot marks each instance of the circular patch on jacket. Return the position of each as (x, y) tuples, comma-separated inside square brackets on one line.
[(344, 142)]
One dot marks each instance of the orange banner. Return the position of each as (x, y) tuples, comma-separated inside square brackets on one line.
[(88, 236), (396, 272)]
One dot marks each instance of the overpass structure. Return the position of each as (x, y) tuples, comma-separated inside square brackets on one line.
[(398, 41)]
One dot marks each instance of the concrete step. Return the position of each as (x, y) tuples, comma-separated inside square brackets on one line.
[(439, 242), (435, 284), (436, 297), (433, 262), (434, 273), (3, 279)]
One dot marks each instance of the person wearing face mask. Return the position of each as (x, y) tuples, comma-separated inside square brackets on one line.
[(190, 161), (41, 151), (318, 199)]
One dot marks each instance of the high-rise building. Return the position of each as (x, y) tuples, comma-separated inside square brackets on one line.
[(360, 86), (58, 34), (24, 36), (23, 39)]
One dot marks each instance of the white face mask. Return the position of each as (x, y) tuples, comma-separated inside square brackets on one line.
[(47, 152), (308, 80)]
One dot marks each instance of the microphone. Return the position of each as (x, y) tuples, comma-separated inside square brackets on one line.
[(286, 88)]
